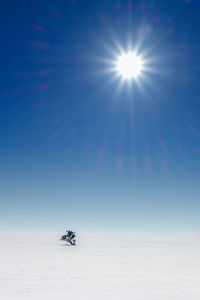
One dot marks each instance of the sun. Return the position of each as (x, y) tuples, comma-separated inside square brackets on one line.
[(129, 65)]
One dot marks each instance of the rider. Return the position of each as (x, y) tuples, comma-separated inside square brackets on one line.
[(70, 234)]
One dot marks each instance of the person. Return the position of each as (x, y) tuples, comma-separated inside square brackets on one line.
[(69, 233), (70, 237)]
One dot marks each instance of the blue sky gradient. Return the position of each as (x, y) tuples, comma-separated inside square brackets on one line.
[(81, 149)]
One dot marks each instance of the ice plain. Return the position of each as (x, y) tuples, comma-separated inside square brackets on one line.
[(139, 267)]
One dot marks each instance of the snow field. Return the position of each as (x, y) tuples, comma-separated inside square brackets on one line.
[(100, 267)]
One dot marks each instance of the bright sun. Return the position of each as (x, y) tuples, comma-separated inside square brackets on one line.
[(129, 65)]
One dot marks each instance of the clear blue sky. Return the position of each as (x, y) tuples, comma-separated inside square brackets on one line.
[(79, 149)]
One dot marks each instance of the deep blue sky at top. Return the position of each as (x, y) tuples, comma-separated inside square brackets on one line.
[(73, 139)]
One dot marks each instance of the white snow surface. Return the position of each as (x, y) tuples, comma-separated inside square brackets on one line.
[(135, 267)]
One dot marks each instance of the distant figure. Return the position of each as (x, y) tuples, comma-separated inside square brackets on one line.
[(70, 237), (69, 233)]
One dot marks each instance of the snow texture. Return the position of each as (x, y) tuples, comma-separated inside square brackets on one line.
[(100, 267)]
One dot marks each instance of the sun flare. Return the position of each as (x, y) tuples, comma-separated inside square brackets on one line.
[(129, 65)]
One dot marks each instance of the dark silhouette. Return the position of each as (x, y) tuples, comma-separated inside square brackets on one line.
[(70, 237)]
